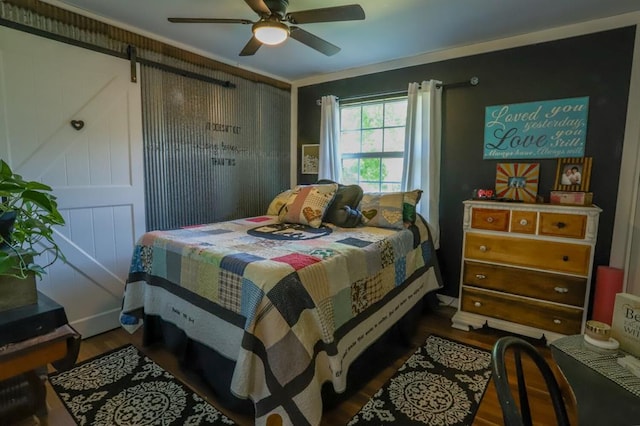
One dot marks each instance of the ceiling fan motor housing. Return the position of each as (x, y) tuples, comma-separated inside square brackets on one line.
[(277, 7)]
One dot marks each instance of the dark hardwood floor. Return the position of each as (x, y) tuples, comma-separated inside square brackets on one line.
[(435, 322)]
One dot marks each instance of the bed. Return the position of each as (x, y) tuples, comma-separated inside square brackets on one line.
[(270, 311)]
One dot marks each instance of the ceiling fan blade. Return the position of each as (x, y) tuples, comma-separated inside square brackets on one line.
[(313, 41), (209, 21), (251, 47), (258, 6), (352, 12)]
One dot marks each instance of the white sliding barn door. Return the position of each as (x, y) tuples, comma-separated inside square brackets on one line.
[(96, 171)]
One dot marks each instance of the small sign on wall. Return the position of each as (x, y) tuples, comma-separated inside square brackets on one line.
[(545, 129), (310, 159)]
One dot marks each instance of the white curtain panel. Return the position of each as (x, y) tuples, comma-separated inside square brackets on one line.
[(329, 166), (422, 150)]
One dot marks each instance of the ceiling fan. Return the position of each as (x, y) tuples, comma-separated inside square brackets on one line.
[(272, 27)]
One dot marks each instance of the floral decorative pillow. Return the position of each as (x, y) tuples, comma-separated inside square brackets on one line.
[(383, 210), (410, 200), (278, 202), (307, 204)]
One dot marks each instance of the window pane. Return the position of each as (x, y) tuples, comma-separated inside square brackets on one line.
[(390, 187), (372, 116), (372, 143), (394, 139), (395, 113), (372, 140), (392, 169), (350, 171), (350, 118), (370, 169), (383, 170), (350, 142), (370, 187)]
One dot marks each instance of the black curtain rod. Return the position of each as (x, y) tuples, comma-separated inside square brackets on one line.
[(185, 73), (123, 55), (473, 81)]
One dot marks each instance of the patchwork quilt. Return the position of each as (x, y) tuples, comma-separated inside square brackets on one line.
[(292, 305)]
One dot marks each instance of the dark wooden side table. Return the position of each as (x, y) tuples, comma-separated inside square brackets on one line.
[(601, 400), (23, 362)]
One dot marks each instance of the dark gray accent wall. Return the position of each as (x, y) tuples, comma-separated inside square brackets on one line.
[(596, 65)]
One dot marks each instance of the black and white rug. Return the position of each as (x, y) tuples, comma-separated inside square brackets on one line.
[(124, 387), (442, 383)]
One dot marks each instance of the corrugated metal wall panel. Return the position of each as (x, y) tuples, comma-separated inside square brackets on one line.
[(211, 153)]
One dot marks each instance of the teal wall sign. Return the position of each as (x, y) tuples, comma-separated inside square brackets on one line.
[(546, 129)]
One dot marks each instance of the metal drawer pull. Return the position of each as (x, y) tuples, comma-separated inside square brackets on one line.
[(561, 289), (477, 304), (524, 222), (561, 225), (557, 321), (481, 276), (490, 219), (565, 258), (483, 248)]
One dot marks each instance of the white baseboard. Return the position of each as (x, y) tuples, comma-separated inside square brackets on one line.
[(97, 324), (445, 300)]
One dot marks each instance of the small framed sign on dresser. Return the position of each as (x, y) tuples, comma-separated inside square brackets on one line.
[(526, 268), (625, 326)]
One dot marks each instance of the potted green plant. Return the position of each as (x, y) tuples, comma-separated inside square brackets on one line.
[(28, 213)]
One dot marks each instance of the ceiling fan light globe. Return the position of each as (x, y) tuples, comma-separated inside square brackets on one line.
[(270, 32)]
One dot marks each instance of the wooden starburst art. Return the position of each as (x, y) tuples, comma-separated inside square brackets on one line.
[(517, 181)]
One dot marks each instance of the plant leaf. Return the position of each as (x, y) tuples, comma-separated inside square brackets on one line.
[(38, 186), (42, 200), (5, 170)]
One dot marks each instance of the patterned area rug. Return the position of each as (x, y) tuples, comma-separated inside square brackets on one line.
[(442, 383), (124, 387)]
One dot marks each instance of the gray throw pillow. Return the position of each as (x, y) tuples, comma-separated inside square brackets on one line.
[(346, 196)]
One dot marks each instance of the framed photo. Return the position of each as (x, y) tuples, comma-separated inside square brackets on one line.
[(517, 181), (310, 159), (573, 174)]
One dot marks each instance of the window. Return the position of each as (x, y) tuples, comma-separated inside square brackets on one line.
[(372, 143)]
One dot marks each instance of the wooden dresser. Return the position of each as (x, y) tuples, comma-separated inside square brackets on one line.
[(526, 268)]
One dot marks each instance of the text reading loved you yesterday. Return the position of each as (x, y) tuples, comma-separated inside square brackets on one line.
[(546, 129)]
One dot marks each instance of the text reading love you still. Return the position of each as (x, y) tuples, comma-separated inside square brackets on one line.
[(547, 129)]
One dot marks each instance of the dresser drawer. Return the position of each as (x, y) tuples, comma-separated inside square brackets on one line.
[(549, 255), (545, 316), (492, 219), (563, 225), (539, 285), (523, 222)]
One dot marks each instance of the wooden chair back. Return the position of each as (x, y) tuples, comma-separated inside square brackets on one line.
[(520, 414)]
